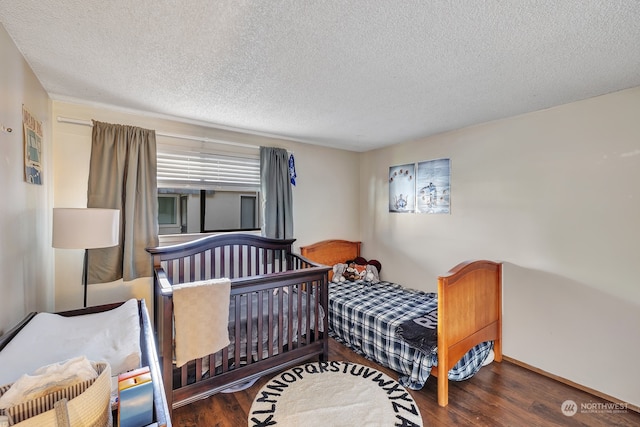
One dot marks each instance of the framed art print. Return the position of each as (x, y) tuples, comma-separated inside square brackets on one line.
[(32, 148), (433, 190), (402, 188)]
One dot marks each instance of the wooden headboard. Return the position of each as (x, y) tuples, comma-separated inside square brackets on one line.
[(331, 252)]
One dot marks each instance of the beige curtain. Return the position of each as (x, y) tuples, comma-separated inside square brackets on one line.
[(276, 193), (122, 175)]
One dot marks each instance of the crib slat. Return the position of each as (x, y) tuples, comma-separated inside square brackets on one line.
[(237, 348), (315, 288), (223, 263), (281, 337), (181, 271), (232, 265), (203, 265), (265, 261), (184, 374), (214, 360), (198, 373), (225, 359), (260, 323), (290, 328), (249, 346), (270, 332), (255, 263), (303, 327), (282, 260), (212, 262)]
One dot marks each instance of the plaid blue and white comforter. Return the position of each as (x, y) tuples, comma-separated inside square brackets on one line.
[(364, 317)]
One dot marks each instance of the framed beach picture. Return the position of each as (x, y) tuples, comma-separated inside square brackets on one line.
[(402, 188), (433, 189)]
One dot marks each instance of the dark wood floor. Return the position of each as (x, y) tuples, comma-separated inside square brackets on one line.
[(501, 394)]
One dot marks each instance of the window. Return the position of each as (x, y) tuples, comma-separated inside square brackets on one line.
[(203, 189), (248, 212), (168, 210)]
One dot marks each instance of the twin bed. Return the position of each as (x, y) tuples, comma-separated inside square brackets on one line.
[(289, 307), (367, 317)]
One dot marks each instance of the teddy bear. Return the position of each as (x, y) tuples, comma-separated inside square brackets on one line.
[(351, 273)]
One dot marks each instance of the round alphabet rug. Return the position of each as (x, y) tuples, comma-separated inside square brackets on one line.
[(333, 394)]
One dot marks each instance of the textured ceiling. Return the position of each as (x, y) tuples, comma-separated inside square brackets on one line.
[(352, 74)]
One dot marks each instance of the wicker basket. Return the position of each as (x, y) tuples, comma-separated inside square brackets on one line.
[(83, 404)]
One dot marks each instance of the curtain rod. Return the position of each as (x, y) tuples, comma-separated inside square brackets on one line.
[(166, 134)]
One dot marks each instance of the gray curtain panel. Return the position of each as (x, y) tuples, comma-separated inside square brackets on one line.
[(122, 175), (276, 193)]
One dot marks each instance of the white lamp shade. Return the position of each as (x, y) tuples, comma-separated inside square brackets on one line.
[(85, 228)]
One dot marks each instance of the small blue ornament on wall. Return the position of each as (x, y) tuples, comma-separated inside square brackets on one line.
[(292, 169)]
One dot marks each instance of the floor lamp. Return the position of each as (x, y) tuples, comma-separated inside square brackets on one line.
[(85, 228)]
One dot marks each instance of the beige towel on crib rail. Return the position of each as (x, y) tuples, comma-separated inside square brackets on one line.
[(201, 316)]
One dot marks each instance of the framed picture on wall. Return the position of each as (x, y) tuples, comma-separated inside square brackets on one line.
[(402, 188), (433, 189), (32, 148)]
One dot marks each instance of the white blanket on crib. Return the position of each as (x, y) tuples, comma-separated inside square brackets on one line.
[(201, 318), (112, 336)]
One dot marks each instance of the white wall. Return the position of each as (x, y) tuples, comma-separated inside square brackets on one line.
[(553, 194), (315, 190), (327, 195), (25, 228)]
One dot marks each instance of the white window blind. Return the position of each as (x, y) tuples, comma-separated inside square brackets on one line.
[(196, 168)]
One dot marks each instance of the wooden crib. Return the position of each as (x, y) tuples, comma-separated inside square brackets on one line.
[(284, 295)]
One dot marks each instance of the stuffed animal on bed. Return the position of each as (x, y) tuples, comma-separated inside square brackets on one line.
[(371, 274), (354, 270), (352, 273), (338, 273)]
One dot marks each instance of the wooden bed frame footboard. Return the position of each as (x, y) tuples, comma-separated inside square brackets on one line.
[(469, 313), (260, 267), (469, 305)]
